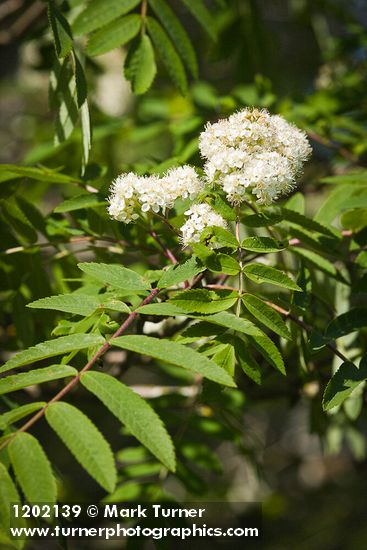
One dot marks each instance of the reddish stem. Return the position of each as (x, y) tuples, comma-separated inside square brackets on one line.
[(87, 367)]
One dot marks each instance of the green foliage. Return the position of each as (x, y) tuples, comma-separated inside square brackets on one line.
[(18, 413), (201, 13), (18, 381), (51, 348), (266, 274), (116, 276), (140, 66), (168, 54), (261, 245), (61, 31), (116, 34), (346, 379), (177, 34), (176, 354), (32, 469), (78, 304), (204, 301), (266, 315), (137, 415), (182, 272), (8, 497), (101, 12), (84, 441)]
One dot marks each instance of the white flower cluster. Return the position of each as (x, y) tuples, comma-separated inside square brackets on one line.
[(254, 151), (131, 193), (249, 152), (200, 217)]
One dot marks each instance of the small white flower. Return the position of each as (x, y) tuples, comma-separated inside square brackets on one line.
[(131, 193), (253, 151), (201, 216)]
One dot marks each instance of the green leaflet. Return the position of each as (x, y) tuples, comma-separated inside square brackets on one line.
[(176, 354), (266, 315), (63, 39), (220, 236), (84, 441), (260, 273), (222, 207), (226, 359), (63, 97), (268, 350), (135, 413), (247, 363), (113, 35), (346, 323), (80, 201), (101, 12), (341, 198), (38, 376), (177, 34), (8, 496), (204, 301), (352, 178), (40, 174), (361, 259), (318, 261), (81, 82), (116, 276), (262, 244), (305, 222), (343, 382), (32, 469), (163, 308), (8, 418), (222, 318), (223, 263), (79, 304), (140, 65), (50, 348), (202, 15), (181, 272), (263, 219), (232, 322), (354, 219), (168, 54)]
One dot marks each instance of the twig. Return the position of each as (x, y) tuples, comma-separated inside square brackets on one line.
[(87, 367), (239, 258), (305, 327), (166, 251), (167, 222), (72, 240), (220, 287)]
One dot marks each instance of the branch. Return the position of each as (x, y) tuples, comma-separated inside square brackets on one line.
[(305, 327), (87, 367), (166, 251), (239, 259)]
